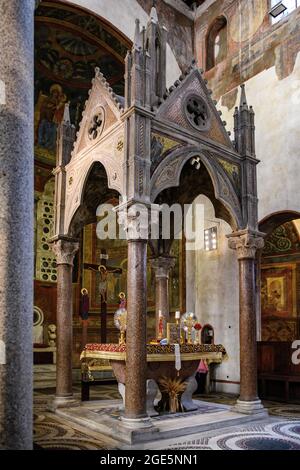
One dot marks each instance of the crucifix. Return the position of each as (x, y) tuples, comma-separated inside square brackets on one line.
[(104, 271)]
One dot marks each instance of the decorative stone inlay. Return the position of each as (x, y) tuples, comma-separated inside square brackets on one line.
[(246, 243), (120, 145), (65, 251), (232, 170)]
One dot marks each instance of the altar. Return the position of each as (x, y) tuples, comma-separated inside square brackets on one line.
[(175, 383)]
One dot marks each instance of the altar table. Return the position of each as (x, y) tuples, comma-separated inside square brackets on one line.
[(160, 365)]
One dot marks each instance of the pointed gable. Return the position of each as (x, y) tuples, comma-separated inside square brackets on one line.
[(189, 105), (102, 110)]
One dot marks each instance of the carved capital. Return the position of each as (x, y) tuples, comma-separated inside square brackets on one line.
[(65, 251), (135, 221), (246, 243), (162, 266)]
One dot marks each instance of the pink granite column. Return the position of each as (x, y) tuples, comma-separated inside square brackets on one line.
[(65, 251), (162, 266), (135, 397), (16, 222), (246, 244)]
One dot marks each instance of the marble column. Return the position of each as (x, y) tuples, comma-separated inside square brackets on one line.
[(246, 243), (65, 251), (136, 358), (16, 223), (162, 266)]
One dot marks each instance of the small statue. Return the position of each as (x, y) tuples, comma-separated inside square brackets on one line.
[(52, 335), (84, 304), (160, 325), (120, 317)]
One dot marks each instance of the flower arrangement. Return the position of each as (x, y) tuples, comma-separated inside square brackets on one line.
[(197, 328)]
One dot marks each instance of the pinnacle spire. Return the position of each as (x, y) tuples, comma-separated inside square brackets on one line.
[(243, 100), (153, 13), (137, 34), (66, 116)]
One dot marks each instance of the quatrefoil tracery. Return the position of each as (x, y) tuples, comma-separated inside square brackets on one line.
[(96, 125), (196, 111)]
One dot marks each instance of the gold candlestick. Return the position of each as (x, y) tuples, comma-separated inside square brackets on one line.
[(189, 322), (122, 338)]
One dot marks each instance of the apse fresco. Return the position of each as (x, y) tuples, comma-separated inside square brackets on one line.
[(278, 291), (280, 276), (69, 44)]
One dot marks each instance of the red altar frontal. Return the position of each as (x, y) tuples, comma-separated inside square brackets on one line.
[(171, 374)]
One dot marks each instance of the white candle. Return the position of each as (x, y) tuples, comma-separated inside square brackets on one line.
[(177, 315), (159, 313)]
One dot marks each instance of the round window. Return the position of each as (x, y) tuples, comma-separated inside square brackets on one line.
[(197, 112)]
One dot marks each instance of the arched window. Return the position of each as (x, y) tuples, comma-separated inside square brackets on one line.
[(216, 42)]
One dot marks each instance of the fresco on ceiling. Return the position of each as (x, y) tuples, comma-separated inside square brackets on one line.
[(283, 240), (69, 44)]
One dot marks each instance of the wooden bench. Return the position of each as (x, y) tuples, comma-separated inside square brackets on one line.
[(264, 378)]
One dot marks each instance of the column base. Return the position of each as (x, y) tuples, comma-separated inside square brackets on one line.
[(250, 407), (137, 423), (63, 402)]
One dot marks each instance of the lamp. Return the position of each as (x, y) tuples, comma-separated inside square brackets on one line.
[(277, 9), (210, 239)]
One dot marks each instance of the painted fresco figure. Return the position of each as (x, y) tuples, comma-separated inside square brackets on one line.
[(51, 113), (84, 304)]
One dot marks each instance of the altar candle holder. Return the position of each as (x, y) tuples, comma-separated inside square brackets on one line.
[(122, 339), (160, 325), (177, 321), (189, 322)]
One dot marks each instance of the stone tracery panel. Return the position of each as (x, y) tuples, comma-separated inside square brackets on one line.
[(45, 266)]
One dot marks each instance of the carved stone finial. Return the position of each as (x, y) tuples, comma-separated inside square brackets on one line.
[(66, 116), (243, 99), (137, 35), (65, 251), (246, 243), (153, 14)]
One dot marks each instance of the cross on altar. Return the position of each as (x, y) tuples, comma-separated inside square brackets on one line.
[(104, 270)]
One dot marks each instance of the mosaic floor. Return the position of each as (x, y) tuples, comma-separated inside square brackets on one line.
[(281, 431)]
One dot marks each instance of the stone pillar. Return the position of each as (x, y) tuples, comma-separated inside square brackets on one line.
[(135, 415), (16, 223), (162, 266), (246, 243), (64, 250), (136, 362)]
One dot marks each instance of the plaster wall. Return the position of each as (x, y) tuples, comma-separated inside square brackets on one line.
[(123, 15), (276, 105), (212, 289)]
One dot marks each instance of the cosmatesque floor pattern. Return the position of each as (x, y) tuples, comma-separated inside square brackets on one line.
[(281, 431)]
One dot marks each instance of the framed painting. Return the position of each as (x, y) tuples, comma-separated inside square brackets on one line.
[(278, 291)]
